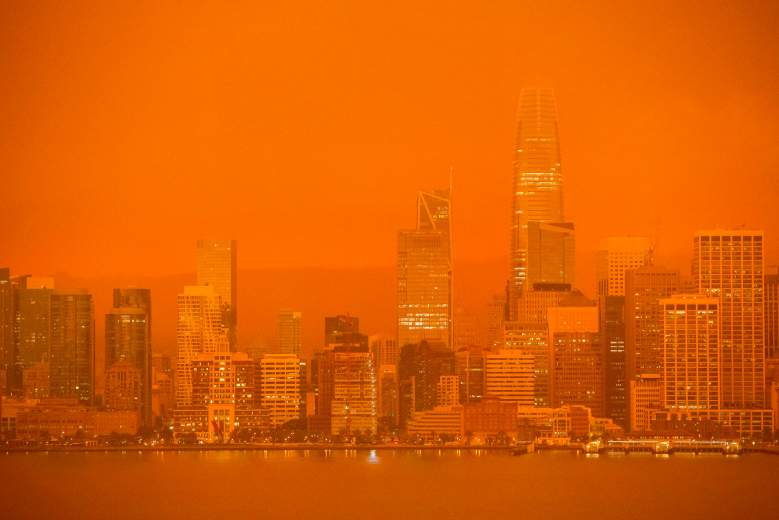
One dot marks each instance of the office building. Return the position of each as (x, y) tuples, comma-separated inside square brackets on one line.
[(217, 266)]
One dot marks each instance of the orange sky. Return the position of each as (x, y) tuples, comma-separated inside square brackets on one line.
[(304, 131)]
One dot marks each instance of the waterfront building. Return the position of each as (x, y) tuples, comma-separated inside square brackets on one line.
[(646, 396), (575, 354), (728, 265), (280, 387), (35, 380), (7, 343), (616, 257), (127, 331), (691, 352), (509, 376), (441, 423), (32, 324), (200, 330), (72, 346), (772, 315), (532, 339), (486, 420), (419, 370), (353, 407)]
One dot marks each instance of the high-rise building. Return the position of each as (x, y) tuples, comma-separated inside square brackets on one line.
[(72, 345), (280, 387), (290, 332), (127, 341), (772, 315), (217, 266), (387, 395), (538, 180), (419, 370), (33, 321), (575, 355), (353, 407), (728, 265), (200, 330), (551, 253), (424, 273), (7, 343), (532, 339), (691, 352), (509, 376), (644, 288), (219, 388), (139, 298), (424, 288), (617, 256)]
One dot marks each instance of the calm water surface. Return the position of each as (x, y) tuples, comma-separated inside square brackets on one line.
[(386, 485)]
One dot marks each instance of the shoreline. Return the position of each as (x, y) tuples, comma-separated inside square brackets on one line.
[(513, 450)]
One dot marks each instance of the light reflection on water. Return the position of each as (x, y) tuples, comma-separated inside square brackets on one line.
[(386, 484)]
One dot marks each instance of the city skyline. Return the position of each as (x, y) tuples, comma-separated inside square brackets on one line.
[(389, 260)]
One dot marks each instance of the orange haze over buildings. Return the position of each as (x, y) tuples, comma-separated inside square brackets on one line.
[(131, 130)]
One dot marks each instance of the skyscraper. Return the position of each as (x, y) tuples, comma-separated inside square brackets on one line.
[(575, 359), (280, 387), (290, 333), (424, 310), (424, 273), (772, 316), (127, 342), (200, 330), (728, 265), (217, 266), (72, 345), (7, 343), (691, 353), (140, 298), (354, 392), (616, 257), (538, 181)]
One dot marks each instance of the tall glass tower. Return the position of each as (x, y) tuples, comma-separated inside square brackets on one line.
[(217, 267), (538, 181)]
